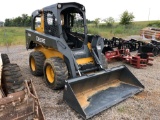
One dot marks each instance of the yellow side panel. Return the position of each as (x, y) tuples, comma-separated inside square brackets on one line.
[(49, 52), (82, 61)]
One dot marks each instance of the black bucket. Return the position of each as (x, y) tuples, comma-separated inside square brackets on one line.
[(93, 93)]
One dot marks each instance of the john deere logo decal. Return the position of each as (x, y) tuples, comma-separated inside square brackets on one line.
[(42, 40)]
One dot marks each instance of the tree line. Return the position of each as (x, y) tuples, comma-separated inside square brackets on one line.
[(126, 18), (21, 21), (25, 21)]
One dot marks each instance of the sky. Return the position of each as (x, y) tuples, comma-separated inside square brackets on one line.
[(143, 10)]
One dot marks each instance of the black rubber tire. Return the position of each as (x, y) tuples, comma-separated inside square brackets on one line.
[(104, 62), (155, 51), (5, 59), (12, 79), (39, 59), (60, 72)]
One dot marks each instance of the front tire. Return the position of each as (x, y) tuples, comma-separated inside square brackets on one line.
[(36, 62), (55, 72)]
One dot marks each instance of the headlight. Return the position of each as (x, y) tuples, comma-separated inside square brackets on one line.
[(83, 8), (59, 6)]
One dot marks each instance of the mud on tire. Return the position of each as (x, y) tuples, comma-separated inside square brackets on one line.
[(36, 62), (60, 72), (12, 79)]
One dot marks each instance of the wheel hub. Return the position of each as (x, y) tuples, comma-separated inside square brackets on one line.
[(33, 65), (50, 73)]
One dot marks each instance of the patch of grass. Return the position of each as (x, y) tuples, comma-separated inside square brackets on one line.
[(12, 35), (16, 35), (118, 30), (154, 24)]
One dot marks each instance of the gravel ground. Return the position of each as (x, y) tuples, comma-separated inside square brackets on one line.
[(145, 105)]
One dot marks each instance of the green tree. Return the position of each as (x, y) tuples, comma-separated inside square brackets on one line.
[(126, 18), (97, 21), (26, 20), (20, 21), (89, 21), (109, 21), (7, 22)]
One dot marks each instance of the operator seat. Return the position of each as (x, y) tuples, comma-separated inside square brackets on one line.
[(69, 43)]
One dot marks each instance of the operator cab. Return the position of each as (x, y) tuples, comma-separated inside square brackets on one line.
[(74, 30), (72, 22), (62, 20)]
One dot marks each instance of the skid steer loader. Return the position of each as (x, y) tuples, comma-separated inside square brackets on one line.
[(70, 58), (18, 99)]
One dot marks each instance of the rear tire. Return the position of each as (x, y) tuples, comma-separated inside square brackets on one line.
[(36, 62), (55, 72), (5, 59), (104, 62), (12, 79)]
